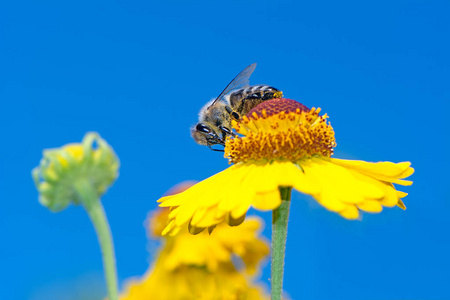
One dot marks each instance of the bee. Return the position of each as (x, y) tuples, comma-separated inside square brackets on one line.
[(236, 100)]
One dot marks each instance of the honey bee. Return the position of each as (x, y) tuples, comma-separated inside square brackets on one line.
[(236, 100)]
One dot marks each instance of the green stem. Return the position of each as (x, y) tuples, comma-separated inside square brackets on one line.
[(98, 218), (280, 218)]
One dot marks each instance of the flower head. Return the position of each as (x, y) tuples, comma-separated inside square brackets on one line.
[(284, 130), (191, 283), (203, 266), (60, 169), (285, 144)]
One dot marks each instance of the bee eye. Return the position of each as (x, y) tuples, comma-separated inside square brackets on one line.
[(202, 128)]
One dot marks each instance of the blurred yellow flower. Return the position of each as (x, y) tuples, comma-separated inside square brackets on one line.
[(210, 251), (285, 144), (62, 169), (211, 267), (192, 283)]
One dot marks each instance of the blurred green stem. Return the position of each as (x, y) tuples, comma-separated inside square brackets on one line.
[(280, 218), (94, 208)]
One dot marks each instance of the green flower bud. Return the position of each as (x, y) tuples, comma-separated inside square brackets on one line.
[(62, 170)]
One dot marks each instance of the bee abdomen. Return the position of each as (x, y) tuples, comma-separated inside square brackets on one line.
[(252, 94)]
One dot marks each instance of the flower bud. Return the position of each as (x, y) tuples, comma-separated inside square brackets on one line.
[(62, 169)]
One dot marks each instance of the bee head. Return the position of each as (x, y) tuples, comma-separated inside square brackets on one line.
[(205, 135)]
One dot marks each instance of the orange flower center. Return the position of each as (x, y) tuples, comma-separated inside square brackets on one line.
[(280, 129)]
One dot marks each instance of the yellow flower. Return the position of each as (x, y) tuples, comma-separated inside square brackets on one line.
[(61, 169), (210, 251), (191, 283), (285, 144), (201, 267)]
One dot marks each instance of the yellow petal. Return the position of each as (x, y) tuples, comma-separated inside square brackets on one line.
[(168, 227), (329, 200), (344, 190), (236, 187), (209, 218), (235, 221), (401, 204), (262, 178), (350, 212), (198, 215), (371, 206), (290, 174), (401, 194), (340, 181), (241, 209), (385, 168), (267, 201), (386, 171), (184, 213)]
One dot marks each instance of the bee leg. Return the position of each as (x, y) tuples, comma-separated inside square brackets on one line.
[(226, 130), (235, 116), (232, 113), (228, 109)]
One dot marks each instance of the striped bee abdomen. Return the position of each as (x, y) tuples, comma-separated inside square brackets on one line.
[(243, 100)]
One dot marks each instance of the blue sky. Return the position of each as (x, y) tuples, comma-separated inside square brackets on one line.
[(137, 72)]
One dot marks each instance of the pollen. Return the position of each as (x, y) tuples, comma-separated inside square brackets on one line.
[(280, 129)]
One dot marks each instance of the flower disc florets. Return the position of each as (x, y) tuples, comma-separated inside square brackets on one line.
[(280, 129)]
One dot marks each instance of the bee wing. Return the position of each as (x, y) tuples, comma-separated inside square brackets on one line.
[(241, 80)]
